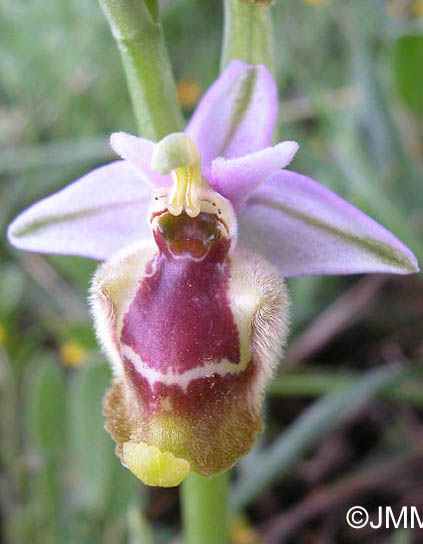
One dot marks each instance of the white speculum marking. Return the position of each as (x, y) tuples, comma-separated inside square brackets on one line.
[(221, 368)]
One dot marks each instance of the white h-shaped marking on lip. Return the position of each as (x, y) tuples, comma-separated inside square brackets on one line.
[(221, 368)]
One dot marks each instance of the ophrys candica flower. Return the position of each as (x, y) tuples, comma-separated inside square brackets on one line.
[(197, 232)]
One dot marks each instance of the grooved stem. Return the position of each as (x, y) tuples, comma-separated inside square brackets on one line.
[(138, 32)]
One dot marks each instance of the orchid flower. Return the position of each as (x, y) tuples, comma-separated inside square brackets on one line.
[(197, 232)]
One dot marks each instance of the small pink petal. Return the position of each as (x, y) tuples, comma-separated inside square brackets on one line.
[(235, 179), (305, 229), (93, 217), (236, 115), (138, 152)]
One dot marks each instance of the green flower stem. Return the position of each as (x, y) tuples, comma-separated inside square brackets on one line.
[(137, 30), (205, 509), (247, 34)]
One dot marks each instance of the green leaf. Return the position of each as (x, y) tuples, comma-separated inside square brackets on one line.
[(139, 529), (47, 406), (122, 490), (311, 383), (408, 66), (321, 418), (91, 448), (402, 536), (12, 285), (103, 486)]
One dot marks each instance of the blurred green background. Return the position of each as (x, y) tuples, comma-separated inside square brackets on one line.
[(345, 421)]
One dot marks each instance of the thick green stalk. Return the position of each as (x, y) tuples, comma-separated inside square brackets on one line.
[(205, 509), (247, 34), (136, 27)]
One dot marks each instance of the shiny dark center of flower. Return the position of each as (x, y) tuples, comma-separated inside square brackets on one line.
[(183, 234)]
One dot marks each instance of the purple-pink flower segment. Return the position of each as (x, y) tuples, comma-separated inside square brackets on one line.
[(197, 232)]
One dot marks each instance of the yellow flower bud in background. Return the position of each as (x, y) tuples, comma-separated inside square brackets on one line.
[(417, 7), (241, 531), (189, 92), (401, 8), (2, 334), (72, 353)]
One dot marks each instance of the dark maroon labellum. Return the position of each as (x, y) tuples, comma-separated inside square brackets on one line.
[(181, 318)]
